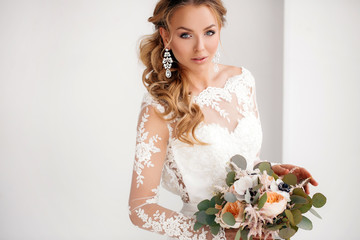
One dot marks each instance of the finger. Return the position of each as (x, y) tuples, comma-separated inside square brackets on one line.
[(313, 182), (279, 170), (306, 174), (307, 190)]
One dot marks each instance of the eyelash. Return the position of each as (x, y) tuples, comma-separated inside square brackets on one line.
[(207, 33)]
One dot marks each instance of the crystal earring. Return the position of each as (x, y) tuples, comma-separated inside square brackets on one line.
[(167, 62), (216, 60)]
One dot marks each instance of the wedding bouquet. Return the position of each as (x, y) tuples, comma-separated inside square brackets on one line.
[(258, 203)]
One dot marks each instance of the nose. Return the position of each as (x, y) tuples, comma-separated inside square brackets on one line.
[(199, 44)]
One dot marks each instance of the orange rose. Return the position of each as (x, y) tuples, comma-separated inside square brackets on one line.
[(275, 204), (236, 209)]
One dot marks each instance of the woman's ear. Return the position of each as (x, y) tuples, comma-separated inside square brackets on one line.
[(165, 37)]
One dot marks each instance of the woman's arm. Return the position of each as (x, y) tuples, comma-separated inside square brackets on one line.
[(144, 211)]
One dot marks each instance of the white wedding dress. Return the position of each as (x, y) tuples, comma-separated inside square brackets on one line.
[(231, 126)]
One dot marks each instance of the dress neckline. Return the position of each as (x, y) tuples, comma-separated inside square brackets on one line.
[(210, 88)]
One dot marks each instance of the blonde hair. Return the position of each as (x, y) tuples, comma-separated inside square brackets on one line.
[(173, 92)]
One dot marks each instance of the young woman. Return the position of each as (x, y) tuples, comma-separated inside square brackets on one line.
[(196, 115)]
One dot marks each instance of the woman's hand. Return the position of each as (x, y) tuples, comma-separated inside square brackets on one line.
[(301, 174), (231, 233)]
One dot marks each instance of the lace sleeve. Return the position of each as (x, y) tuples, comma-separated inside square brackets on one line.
[(144, 211)]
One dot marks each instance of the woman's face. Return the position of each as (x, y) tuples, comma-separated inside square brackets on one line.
[(195, 35)]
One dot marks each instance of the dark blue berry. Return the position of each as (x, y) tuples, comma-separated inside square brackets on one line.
[(284, 187)]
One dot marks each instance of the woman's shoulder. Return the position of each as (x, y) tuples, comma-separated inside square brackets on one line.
[(229, 71), (238, 74), (149, 101)]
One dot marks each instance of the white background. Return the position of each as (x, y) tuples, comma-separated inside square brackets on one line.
[(70, 92), (322, 107)]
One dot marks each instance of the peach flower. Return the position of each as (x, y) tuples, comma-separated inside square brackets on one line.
[(236, 209), (275, 204)]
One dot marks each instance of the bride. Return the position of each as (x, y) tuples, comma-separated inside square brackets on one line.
[(195, 116)]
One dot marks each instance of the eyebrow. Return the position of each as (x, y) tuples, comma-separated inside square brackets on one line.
[(188, 29)]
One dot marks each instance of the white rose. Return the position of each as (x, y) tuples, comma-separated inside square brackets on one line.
[(244, 183), (274, 185)]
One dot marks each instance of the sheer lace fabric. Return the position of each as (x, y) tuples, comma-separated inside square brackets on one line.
[(231, 126)]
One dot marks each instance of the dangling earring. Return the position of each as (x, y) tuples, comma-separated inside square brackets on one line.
[(216, 60), (167, 62)]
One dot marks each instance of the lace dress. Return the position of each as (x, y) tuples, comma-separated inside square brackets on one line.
[(231, 126)]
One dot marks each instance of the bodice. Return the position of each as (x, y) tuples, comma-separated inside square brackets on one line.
[(193, 171)]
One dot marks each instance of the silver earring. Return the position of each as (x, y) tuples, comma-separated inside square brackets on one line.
[(167, 62), (216, 60)]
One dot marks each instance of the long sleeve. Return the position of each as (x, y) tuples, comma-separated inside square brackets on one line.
[(144, 210)]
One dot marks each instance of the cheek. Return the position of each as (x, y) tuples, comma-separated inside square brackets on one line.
[(213, 44), (181, 50)]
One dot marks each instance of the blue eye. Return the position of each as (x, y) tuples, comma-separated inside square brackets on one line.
[(185, 35), (210, 33)]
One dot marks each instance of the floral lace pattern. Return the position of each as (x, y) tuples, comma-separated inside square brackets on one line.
[(172, 178), (211, 97), (176, 226), (144, 150)]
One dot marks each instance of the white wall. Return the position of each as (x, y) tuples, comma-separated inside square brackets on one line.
[(68, 71), (253, 38), (322, 107), (70, 92)]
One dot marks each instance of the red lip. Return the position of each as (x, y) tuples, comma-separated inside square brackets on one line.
[(198, 58)]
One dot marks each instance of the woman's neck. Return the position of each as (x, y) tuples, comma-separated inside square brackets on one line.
[(198, 81)]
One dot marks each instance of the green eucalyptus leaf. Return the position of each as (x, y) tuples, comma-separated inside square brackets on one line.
[(212, 202), (266, 166), (240, 161), (298, 199), (297, 216), (300, 192), (287, 232), (305, 223), (203, 205), (238, 235), (228, 218), (290, 179), (197, 226), (210, 219), (230, 197), (215, 229), (262, 201), (218, 200), (275, 176), (302, 207), (290, 216), (275, 227), (257, 187), (306, 207), (211, 211), (319, 200), (201, 217), (256, 198), (230, 178), (244, 234), (315, 213)]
